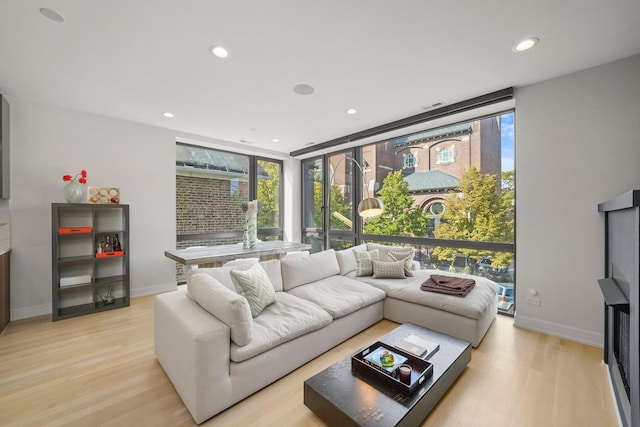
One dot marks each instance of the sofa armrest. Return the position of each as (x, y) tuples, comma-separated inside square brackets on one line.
[(415, 265), (193, 348)]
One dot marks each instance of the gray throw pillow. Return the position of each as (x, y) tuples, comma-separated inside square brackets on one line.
[(363, 262), (254, 284), (405, 255), (388, 270)]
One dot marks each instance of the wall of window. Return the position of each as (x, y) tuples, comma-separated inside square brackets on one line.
[(448, 192), (211, 188)]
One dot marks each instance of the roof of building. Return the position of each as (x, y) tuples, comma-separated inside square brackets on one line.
[(189, 156), (430, 181), (432, 135)]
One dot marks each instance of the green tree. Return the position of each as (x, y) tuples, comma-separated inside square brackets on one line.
[(269, 195), (336, 203), (400, 218), (477, 212)]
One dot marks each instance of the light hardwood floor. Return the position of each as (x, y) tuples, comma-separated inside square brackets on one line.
[(100, 369)]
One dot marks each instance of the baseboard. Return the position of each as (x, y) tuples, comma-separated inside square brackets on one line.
[(32, 311), (155, 289), (45, 309), (613, 397), (562, 331)]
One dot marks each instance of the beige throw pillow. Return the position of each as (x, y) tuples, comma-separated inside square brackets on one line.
[(388, 270), (363, 262), (405, 255), (254, 284), (224, 304)]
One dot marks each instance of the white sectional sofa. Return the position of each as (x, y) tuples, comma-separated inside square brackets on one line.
[(219, 344)]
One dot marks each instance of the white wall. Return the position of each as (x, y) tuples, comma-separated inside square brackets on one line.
[(47, 143), (577, 144)]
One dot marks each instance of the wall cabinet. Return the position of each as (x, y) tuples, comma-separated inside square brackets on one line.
[(88, 273)]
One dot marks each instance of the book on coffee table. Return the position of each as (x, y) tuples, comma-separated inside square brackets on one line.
[(417, 346)]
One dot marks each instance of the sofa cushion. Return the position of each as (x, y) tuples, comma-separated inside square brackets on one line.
[(474, 305), (241, 262), (299, 271), (364, 266), (223, 274), (339, 295), (224, 304), (405, 255), (288, 318), (254, 284), (384, 250), (347, 259), (388, 270)]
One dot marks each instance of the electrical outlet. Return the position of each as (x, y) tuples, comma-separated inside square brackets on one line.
[(533, 301)]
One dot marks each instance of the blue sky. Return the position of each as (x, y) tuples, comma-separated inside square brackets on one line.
[(506, 125)]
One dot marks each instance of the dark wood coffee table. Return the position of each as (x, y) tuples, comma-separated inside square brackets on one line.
[(341, 397)]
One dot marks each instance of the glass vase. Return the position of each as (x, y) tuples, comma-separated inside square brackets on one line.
[(252, 229), (73, 192)]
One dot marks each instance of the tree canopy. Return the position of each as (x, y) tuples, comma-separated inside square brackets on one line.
[(477, 212), (400, 218)]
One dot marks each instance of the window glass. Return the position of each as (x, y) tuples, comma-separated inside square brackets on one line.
[(211, 188), (340, 192), (269, 193), (312, 194)]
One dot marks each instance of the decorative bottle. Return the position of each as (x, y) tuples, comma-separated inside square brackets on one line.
[(116, 244)]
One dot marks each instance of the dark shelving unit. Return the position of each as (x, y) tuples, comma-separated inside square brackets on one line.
[(81, 281)]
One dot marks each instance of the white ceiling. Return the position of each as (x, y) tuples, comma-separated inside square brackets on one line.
[(388, 59)]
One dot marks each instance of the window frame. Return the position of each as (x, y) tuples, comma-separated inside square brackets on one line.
[(252, 184)]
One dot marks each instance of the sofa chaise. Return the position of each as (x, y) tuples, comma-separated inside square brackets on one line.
[(233, 330)]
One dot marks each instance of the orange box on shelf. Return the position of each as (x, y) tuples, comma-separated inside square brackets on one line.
[(109, 254), (74, 230)]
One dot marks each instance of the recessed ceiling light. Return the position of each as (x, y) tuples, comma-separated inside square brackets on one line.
[(526, 44), (351, 111), (168, 114), (51, 14), (303, 89), (219, 51), (275, 140)]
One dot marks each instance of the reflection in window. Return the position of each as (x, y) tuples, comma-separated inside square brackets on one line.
[(312, 193), (269, 190)]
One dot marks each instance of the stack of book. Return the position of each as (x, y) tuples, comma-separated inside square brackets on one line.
[(418, 346)]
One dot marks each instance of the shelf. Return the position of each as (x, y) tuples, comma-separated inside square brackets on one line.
[(79, 285), (613, 295), (75, 310), (119, 302), (71, 259), (110, 279), (76, 230)]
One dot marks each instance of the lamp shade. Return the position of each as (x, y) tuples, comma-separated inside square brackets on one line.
[(370, 208)]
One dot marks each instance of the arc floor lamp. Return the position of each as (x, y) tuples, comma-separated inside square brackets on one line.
[(370, 207)]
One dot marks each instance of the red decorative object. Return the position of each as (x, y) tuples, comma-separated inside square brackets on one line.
[(81, 177)]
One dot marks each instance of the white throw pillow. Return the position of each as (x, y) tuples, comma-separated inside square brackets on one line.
[(364, 266), (388, 270), (254, 284), (226, 305), (347, 260), (405, 255)]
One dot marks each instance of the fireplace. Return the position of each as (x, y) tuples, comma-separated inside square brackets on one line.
[(620, 289)]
